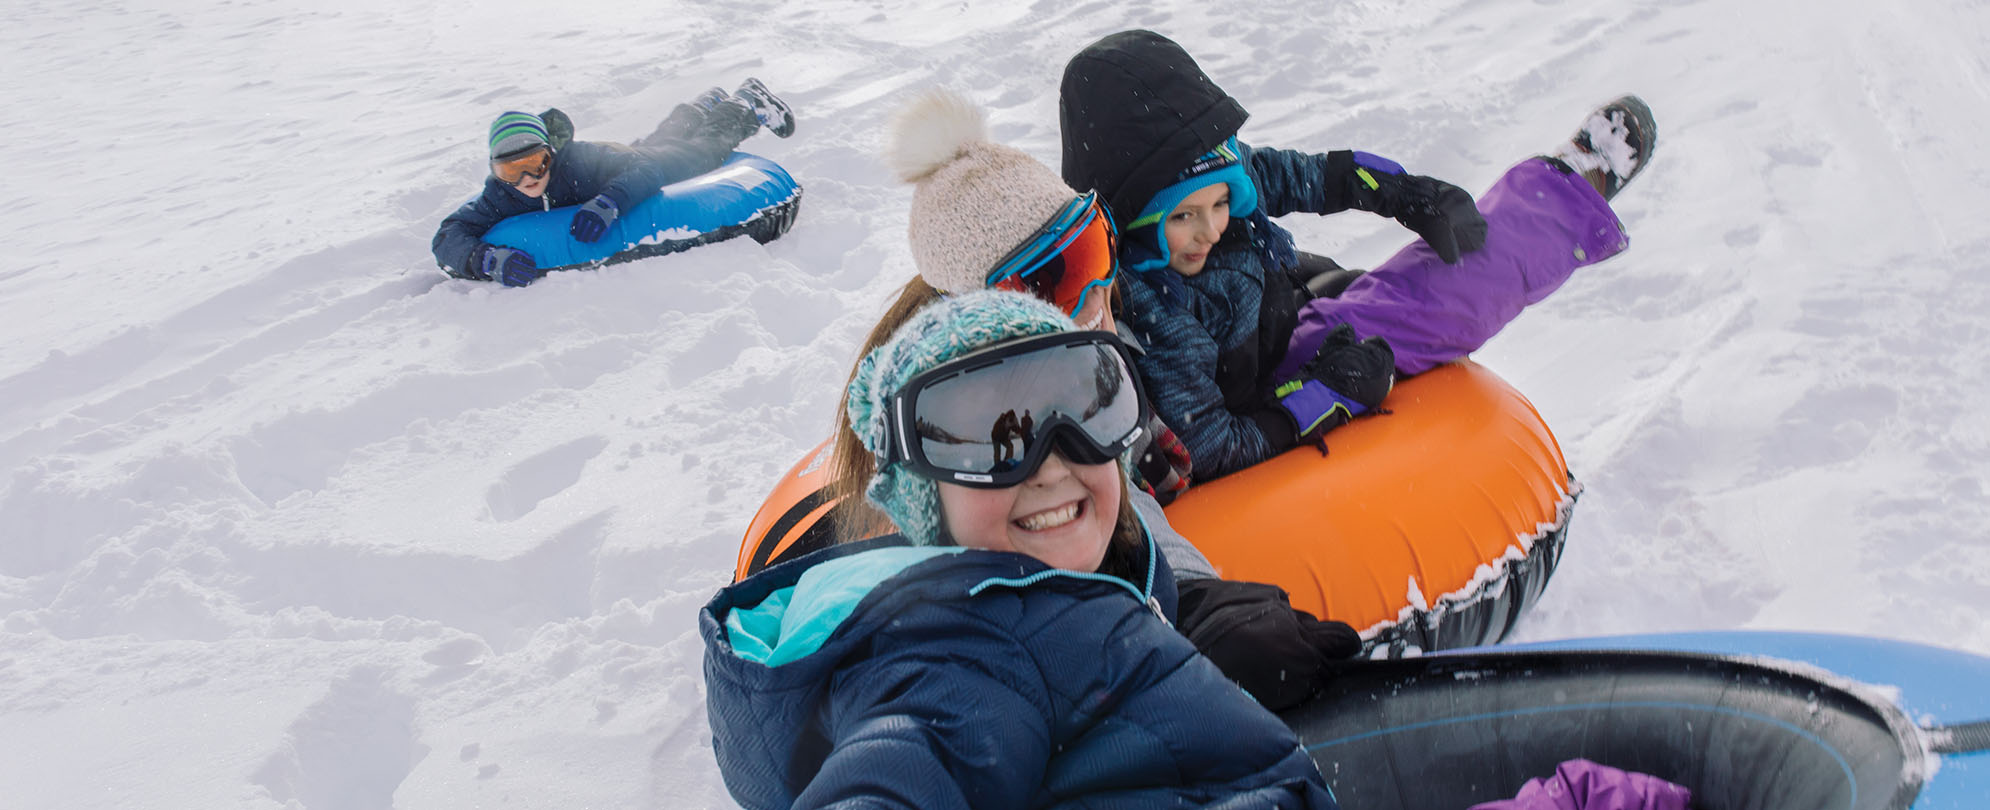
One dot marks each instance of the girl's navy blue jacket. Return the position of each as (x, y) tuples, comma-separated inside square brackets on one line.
[(879, 674), (581, 170)]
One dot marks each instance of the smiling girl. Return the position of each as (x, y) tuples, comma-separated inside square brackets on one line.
[(1008, 649)]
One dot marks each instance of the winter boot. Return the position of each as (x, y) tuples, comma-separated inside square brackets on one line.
[(769, 108), (1613, 145), (709, 99)]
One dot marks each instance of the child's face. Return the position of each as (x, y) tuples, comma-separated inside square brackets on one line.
[(1063, 514), (530, 173), (534, 186), (1195, 225)]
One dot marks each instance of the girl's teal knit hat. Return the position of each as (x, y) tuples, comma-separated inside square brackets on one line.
[(944, 330)]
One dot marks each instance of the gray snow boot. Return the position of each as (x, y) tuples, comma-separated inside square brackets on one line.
[(1612, 146), (769, 108)]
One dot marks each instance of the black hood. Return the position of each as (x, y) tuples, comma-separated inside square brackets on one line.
[(1135, 110)]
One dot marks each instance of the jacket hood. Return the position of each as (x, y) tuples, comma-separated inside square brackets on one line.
[(1135, 110)]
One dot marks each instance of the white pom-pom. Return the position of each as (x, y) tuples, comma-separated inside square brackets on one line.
[(932, 131)]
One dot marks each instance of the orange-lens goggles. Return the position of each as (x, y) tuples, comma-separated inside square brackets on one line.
[(513, 170), (1074, 265)]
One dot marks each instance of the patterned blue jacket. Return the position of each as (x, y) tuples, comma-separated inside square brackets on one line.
[(877, 674), (1213, 339), (581, 170)]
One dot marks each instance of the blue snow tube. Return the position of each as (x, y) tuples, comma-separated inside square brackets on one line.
[(748, 195)]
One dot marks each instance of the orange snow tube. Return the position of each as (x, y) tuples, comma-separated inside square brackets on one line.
[(1434, 526)]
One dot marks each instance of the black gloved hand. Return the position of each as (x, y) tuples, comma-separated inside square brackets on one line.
[(1360, 370), (1253, 634), (1345, 379), (1447, 219), (1443, 214)]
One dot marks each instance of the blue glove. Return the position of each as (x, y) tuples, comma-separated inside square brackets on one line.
[(511, 266), (591, 221), (1443, 214)]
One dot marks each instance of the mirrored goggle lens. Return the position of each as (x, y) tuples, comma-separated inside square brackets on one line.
[(987, 420), (1077, 266), (512, 170)]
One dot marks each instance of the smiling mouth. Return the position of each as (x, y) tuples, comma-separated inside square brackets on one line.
[(1051, 518)]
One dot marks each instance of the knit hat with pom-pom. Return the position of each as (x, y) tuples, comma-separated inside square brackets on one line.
[(973, 200), (949, 328)]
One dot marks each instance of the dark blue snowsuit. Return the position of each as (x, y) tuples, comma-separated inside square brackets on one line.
[(923, 677), (1211, 386)]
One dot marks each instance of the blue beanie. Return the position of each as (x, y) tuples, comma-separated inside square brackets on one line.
[(515, 132), (1219, 165), (944, 330)]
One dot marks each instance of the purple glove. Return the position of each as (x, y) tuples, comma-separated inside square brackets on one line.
[(591, 221)]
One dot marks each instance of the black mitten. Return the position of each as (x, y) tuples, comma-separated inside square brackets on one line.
[(1443, 214), (1254, 635), (1360, 370), (1335, 640)]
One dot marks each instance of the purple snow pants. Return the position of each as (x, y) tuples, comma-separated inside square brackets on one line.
[(1542, 225), (1579, 784)]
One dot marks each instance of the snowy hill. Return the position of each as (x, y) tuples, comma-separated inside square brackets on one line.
[(287, 519)]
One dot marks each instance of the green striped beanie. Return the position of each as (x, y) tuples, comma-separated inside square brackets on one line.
[(515, 132)]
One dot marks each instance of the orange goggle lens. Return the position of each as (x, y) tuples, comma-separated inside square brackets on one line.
[(513, 170), (1082, 264)]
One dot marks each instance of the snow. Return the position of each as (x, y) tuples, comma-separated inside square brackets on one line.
[(288, 520)]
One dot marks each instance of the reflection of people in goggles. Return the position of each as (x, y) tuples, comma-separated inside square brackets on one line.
[(1003, 435), (1066, 262), (1077, 388)]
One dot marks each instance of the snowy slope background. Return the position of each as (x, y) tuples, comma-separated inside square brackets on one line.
[(287, 519)]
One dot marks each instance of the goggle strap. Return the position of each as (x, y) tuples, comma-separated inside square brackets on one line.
[(1032, 248)]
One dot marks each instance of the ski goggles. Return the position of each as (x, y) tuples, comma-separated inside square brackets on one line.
[(533, 163), (1070, 257), (988, 419)]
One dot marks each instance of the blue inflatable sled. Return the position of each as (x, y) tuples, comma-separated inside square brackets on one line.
[(1747, 721), (748, 195)]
